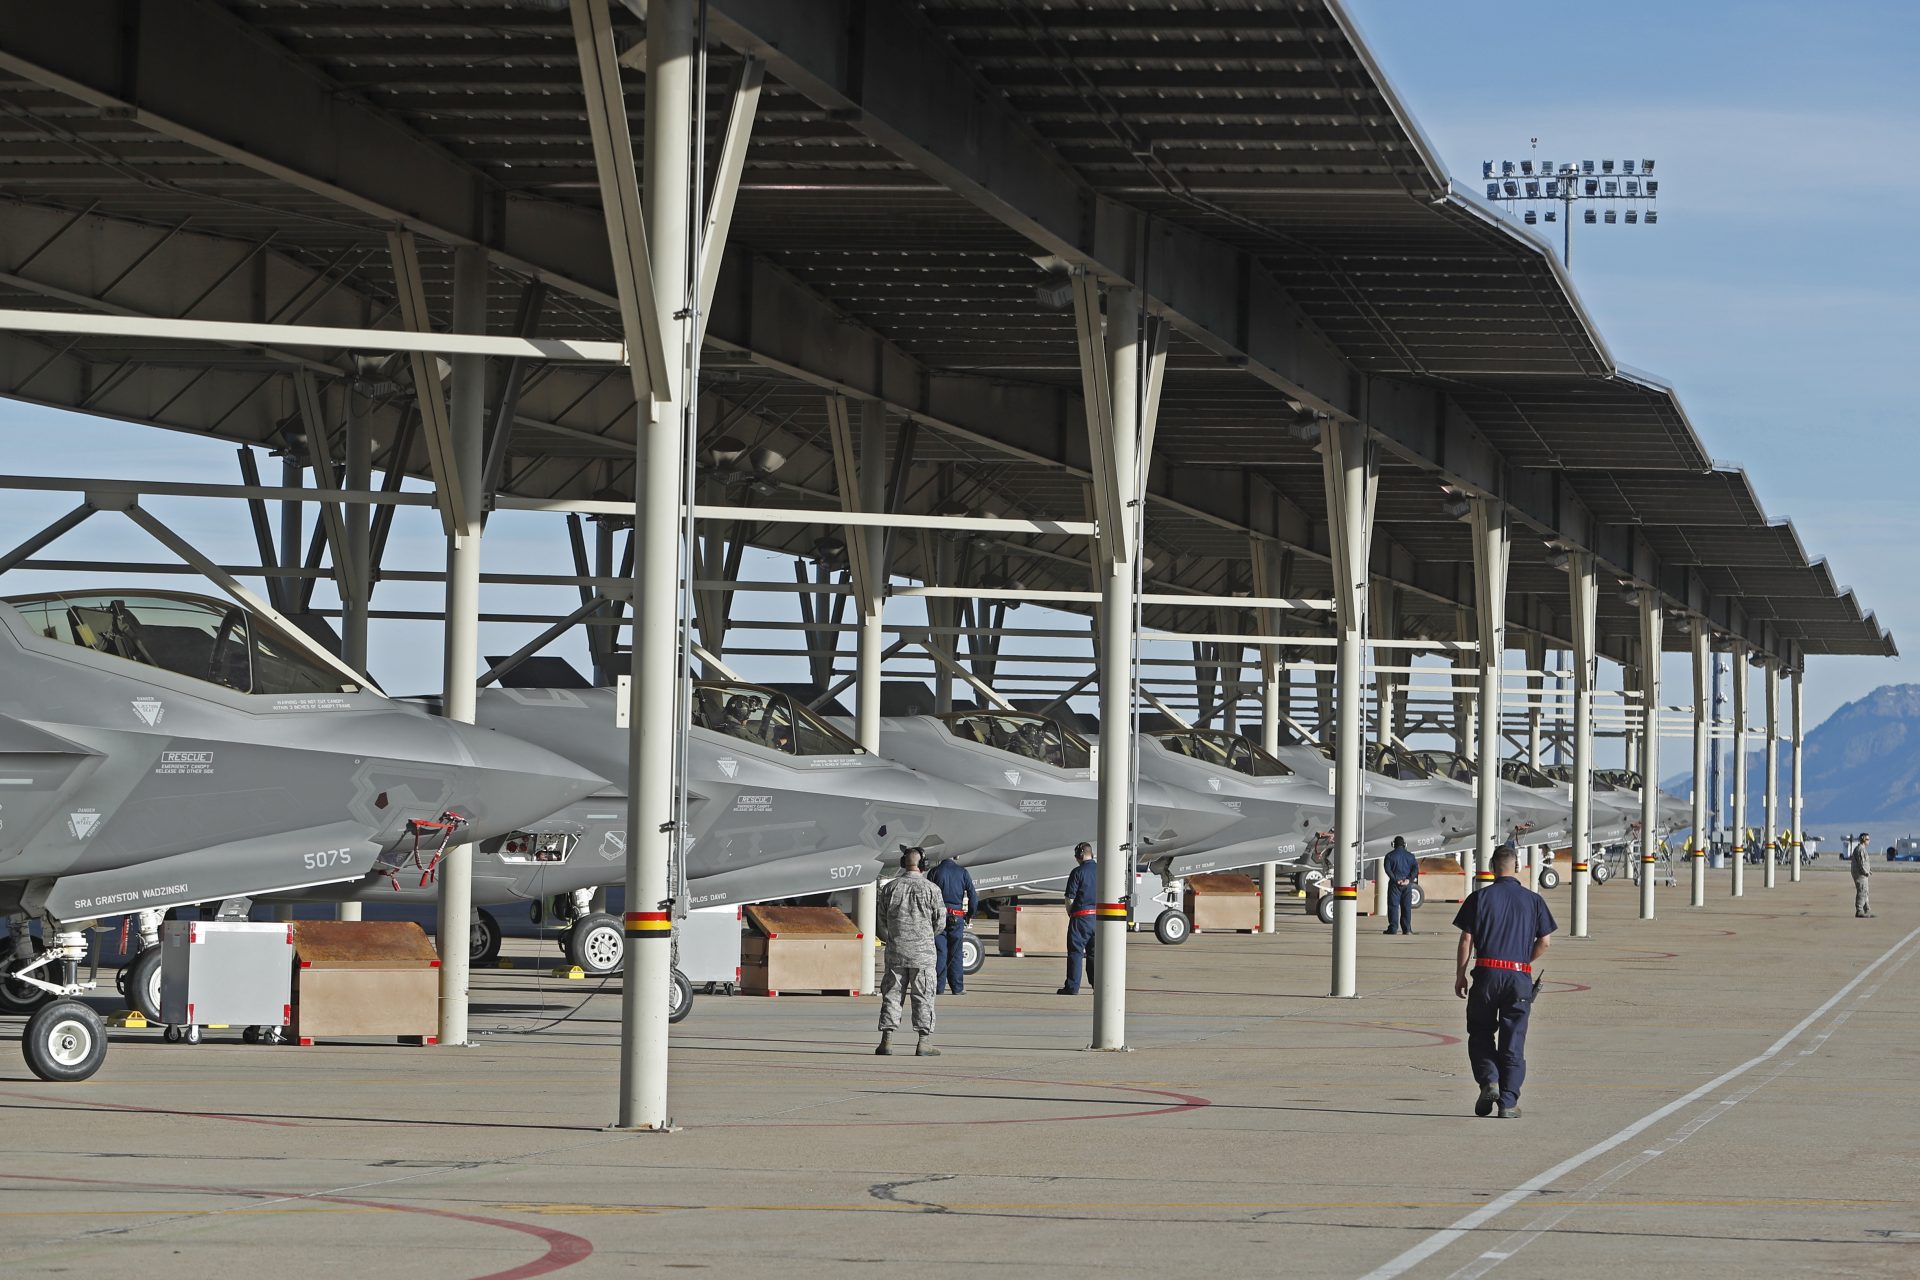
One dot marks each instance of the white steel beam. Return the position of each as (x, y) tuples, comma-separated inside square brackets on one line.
[(1770, 797), (1796, 799), (1737, 665), (1651, 618), (46, 536), (122, 325), (1492, 549), (726, 182), (863, 485), (434, 426), (1702, 740), (641, 312)]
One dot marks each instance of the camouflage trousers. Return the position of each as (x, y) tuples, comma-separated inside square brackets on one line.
[(903, 982), (1860, 884)]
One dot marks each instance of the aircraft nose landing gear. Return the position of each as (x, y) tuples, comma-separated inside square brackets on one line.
[(64, 1040)]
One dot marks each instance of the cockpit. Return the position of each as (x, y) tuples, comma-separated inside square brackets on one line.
[(1223, 750), (1394, 762), (1023, 734), (1524, 774), (1446, 764), (1626, 779), (766, 718), (188, 635)]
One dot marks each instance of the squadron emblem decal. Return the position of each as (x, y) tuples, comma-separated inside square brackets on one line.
[(150, 711), (82, 823)]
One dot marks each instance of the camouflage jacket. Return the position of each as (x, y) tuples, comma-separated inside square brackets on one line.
[(911, 912)]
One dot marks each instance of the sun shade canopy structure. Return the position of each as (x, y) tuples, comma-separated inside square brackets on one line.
[(919, 183)]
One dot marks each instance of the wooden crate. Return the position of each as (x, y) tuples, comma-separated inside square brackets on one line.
[(1442, 880), (800, 949), (1324, 888), (1033, 929), (364, 978), (1223, 903)]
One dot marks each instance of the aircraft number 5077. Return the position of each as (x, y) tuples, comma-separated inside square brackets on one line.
[(327, 858), (843, 873)]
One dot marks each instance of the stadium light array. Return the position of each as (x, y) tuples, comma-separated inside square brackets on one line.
[(1536, 191)]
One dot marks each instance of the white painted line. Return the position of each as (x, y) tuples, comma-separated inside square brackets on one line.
[(1494, 1208)]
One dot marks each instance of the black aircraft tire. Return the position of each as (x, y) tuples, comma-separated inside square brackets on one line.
[(19, 998), (679, 998), (143, 984), (973, 956), (64, 1041), (483, 938), (1324, 908), (597, 943), (1416, 897), (1172, 927), (1548, 878), (1602, 871)]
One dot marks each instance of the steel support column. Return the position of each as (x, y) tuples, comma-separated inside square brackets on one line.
[(1266, 582), (1770, 797), (872, 640), (1119, 391), (1583, 591), (1651, 619), (1351, 472), (1702, 738), (1737, 660), (466, 461), (1384, 624), (1795, 800), (357, 585), (1492, 547)]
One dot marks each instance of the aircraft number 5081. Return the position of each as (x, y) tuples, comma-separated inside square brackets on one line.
[(843, 873), (327, 858)]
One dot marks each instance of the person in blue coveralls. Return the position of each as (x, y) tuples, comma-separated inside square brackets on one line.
[(1504, 930), (1403, 872), (1082, 893), (949, 962)]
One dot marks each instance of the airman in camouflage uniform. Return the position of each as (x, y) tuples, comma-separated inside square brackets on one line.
[(911, 913)]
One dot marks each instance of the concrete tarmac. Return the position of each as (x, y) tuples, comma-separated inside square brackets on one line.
[(1732, 1091)]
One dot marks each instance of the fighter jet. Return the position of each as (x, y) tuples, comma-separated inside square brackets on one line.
[(1434, 815), (1046, 770), (161, 749), (1283, 816), (1671, 813), (1616, 811), (1529, 814), (781, 805)]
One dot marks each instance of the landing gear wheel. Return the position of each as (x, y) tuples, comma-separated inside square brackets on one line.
[(143, 984), (1172, 927), (1306, 879), (65, 1041), (1324, 908), (973, 956), (483, 938), (679, 997), (596, 943), (1602, 871), (1548, 878), (17, 997), (1416, 897)]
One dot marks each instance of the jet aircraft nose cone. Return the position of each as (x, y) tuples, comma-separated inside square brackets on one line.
[(967, 818), (509, 784)]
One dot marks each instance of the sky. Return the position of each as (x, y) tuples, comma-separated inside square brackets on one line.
[(1775, 294)]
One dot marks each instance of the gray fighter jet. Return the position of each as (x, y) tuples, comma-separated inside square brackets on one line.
[(1432, 814), (1530, 810), (1046, 771), (781, 805), (1283, 816), (160, 749)]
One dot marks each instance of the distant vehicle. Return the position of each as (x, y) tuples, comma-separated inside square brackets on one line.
[(1906, 849)]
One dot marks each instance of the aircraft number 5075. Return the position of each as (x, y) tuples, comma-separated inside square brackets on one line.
[(843, 873), (327, 858)]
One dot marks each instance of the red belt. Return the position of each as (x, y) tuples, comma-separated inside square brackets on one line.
[(1083, 911), (956, 911), (1515, 965)]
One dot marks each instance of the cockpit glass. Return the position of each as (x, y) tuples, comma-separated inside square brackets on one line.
[(1035, 737), (1223, 750), (1394, 762), (1523, 774), (767, 718), (1446, 764), (1628, 779), (188, 635)]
